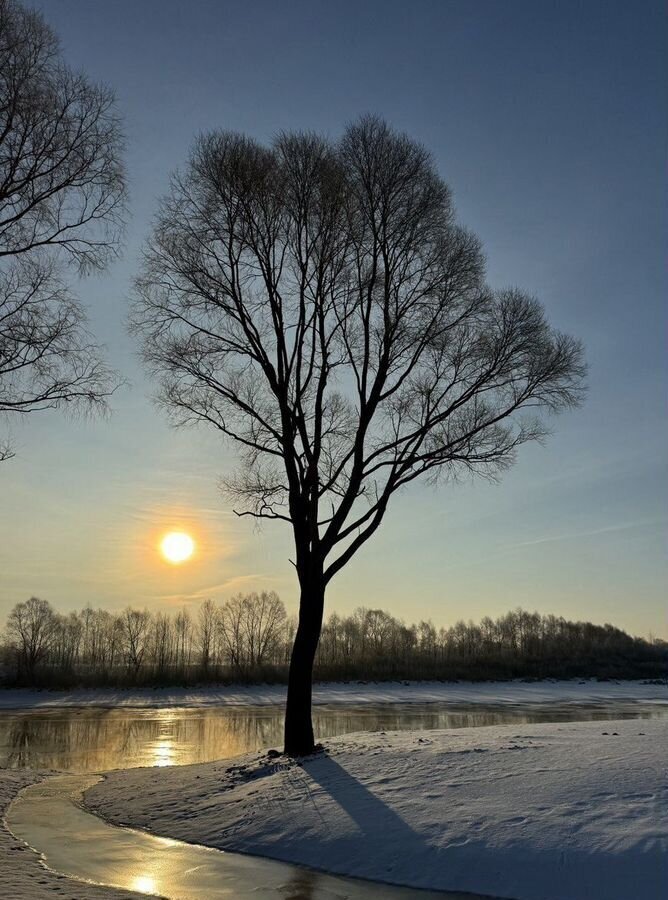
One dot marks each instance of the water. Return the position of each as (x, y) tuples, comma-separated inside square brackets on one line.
[(95, 740)]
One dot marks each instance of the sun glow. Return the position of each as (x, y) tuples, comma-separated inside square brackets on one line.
[(177, 547), (144, 884)]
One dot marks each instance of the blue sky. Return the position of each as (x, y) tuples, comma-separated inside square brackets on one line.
[(548, 120)]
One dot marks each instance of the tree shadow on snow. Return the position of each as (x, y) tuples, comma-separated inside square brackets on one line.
[(376, 821), (384, 836)]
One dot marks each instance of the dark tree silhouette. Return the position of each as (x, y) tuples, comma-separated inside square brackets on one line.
[(61, 200), (249, 637), (317, 303), (32, 625)]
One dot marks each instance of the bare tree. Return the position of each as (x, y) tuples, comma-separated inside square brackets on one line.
[(136, 635), (232, 633), (264, 619), (317, 303), (62, 196), (183, 633), (162, 641), (250, 629), (66, 646), (32, 626), (206, 630)]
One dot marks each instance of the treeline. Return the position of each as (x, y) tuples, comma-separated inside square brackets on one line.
[(249, 637), (372, 643)]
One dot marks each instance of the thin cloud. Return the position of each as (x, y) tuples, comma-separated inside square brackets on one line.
[(230, 585), (593, 532)]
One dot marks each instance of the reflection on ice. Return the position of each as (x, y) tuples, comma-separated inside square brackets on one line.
[(94, 739), (143, 884), (163, 753)]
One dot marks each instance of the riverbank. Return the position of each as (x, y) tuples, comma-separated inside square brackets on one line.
[(22, 875), (573, 811), (486, 692)]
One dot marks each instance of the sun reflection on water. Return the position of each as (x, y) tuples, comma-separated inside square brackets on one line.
[(143, 884), (163, 752)]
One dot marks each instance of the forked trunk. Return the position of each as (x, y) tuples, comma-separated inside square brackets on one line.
[(299, 739)]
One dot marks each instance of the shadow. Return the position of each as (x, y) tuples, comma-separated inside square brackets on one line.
[(302, 886), (371, 815), (384, 837)]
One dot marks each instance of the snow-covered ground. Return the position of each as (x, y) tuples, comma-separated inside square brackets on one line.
[(575, 811), (491, 692), (22, 875)]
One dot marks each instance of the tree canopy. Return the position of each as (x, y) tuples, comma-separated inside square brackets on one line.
[(317, 303), (62, 196)]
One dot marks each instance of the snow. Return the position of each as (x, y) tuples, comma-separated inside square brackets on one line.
[(22, 875), (572, 811), (355, 693)]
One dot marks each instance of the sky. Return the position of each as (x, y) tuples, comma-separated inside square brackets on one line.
[(548, 121)]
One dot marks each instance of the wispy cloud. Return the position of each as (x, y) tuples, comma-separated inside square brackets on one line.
[(591, 532), (238, 582)]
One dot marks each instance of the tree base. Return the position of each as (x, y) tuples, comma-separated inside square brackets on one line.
[(314, 751)]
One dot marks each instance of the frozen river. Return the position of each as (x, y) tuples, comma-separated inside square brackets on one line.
[(92, 739)]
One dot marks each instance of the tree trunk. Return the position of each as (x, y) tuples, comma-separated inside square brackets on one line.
[(298, 726)]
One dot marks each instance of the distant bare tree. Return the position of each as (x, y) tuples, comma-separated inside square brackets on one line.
[(251, 628), (183, 630), (102, 634), (136, 633), (32, 626), (206, 630), (161, 642), (62, 195), (231, 631), (264, 621), (66, 646), (317, 304)]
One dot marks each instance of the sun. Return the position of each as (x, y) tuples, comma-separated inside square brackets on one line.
[(177, 547)]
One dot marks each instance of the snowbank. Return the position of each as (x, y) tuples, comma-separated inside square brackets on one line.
[(572, 811), (22, 875), (491, 692)]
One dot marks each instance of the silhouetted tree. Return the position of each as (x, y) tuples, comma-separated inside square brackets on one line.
[(183, 633), (162, 642), (231, 632), (32, 626), (317, 303), (265, 618), (206, 630), (135, 632), (61, 200)]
